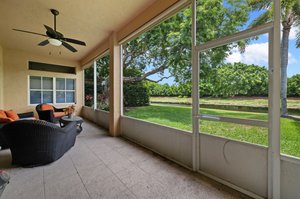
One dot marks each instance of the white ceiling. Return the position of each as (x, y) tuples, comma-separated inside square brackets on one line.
[(87, 20)]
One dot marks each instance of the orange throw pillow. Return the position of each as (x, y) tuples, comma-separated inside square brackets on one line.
[(3, 114), (46, 107), (12, 114), (5, 120)]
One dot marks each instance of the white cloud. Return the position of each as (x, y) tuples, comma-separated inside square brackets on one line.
[(293, 33), (292, 59), (255, 54), (234, 57)]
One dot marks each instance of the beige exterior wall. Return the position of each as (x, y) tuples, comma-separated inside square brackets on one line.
[(1, 77), (16, 72)]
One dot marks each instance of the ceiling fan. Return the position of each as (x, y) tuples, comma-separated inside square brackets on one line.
[(55, 38)]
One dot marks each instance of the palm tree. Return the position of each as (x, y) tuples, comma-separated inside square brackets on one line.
[(290, 17)]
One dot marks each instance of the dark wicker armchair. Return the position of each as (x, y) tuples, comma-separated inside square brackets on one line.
[(35, 142), (22, 116), (52, 116)]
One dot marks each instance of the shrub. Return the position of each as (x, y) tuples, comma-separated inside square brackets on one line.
[(293, 88), (165, 90), (135, 94)]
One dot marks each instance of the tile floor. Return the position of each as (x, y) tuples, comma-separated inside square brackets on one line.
[(99, 166)]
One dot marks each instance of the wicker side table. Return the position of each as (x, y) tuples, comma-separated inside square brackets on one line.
[(66, 120)]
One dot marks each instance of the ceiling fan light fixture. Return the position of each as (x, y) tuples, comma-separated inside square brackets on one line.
[(54, 42), (54, 37)]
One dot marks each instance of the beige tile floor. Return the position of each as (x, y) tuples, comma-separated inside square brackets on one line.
[(99, 166)]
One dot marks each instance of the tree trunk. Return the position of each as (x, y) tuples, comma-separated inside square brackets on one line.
[(284, 64)]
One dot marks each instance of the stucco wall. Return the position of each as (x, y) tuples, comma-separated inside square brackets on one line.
[(97, 116), (290, 177), (172, 143), (16, 79), (242, 164)]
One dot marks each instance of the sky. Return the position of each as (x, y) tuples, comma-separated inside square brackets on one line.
[(256, 53)]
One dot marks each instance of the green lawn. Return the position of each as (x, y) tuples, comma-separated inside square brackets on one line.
[(256, 102), (180, 117)]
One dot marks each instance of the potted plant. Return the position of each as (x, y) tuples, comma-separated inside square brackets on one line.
[(70, 111)]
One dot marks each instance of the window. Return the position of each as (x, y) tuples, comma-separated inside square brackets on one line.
[(42, 90), (65, 90), (156, 77), (234, 91), (89, 86), (290, 95), (102, 78)]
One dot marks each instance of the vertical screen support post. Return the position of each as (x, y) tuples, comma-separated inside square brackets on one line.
[(195, 92), (274, 106), (95, 84)]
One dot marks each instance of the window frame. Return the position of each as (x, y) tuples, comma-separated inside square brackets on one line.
[(273, 147), (245, 34), (106, 53), (54, 90), (65, 91), (89, 65), (93, 64)]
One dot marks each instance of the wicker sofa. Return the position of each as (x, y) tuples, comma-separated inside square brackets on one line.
[(22, 116), (36, 142)]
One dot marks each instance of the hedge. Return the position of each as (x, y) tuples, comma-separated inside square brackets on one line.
[(135, 94), (228, 80)]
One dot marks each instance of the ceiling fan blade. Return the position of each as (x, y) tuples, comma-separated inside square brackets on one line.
[(30, 32), (44, 43), (50, 30), (74, 41), (69, 47)]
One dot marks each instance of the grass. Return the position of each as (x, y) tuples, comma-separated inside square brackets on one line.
[(246, 101), (180, 117)]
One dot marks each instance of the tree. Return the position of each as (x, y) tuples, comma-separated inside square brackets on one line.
[(167, 46), (240, 79), (290, 16)]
